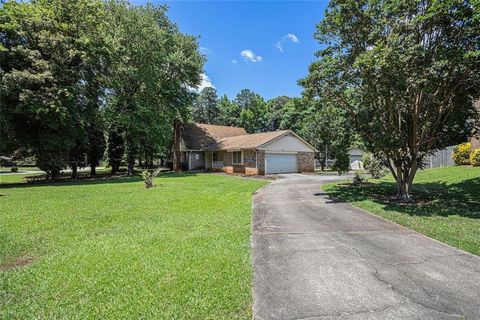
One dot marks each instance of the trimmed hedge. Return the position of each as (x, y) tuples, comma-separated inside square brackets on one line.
[(461, 153), (475, 158)]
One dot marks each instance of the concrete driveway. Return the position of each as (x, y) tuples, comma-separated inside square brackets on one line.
[(318, 259)]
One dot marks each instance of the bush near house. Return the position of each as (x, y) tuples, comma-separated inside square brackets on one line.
[(374, 165), (461, 154), (475, 158)]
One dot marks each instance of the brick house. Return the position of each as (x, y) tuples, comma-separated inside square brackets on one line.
[(197, 146)]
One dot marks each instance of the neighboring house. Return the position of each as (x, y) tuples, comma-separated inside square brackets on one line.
[(355, 155), (199, 146)]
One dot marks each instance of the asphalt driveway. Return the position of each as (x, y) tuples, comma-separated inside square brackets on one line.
[(315, 258)]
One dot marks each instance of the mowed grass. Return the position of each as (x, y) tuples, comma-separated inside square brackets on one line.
[(447, 208), (112, 249)]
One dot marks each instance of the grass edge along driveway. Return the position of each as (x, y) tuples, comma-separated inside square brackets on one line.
[(112, 249), (448, 206)]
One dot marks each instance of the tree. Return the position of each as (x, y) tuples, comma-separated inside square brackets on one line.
[(253, 111), (293, 115), (405, 72), (116, 147), (96, 146), (153, 70), (229, 112), (327, 129), (275, 108), (205, 107), (42, 76)]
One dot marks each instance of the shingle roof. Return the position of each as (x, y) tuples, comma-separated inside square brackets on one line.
[(199, 136), (247, 141), (207, 137)]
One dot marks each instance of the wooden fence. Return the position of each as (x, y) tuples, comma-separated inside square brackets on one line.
[(441, 158)]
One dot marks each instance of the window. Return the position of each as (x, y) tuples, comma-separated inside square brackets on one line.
[(237, 157), (217, 156)]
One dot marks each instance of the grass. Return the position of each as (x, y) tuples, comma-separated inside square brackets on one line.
[(112, 249), (447, 207)]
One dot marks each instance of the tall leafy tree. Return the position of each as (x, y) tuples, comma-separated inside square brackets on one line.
[(205, 108), (252, 111), (405, 72), (45, 47), (154, 67), (327, 129), (229, 112), (275, 110)]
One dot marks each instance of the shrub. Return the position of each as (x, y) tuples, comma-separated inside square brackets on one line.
[(148, 176), (342, 162), (14, 169), (358, 179), (374, 165), (475, 158), (461, 154)]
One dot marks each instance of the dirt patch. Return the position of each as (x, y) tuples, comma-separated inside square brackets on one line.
[(18, 263)]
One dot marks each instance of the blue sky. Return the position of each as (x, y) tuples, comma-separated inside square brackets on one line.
[(265, 46)]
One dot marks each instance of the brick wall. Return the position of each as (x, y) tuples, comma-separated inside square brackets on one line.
[(261, 161), (249, 162), (249, 158), (305, 161)]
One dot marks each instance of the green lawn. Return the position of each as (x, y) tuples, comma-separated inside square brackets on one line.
[(447, 208), (110, 249)]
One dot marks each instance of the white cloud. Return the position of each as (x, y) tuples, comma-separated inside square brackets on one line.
[(234, 61), (288, 37), (205, 50), (249, 55), (206, 82)]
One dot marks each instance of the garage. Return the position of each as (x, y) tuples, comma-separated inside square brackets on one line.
[(281, 163)]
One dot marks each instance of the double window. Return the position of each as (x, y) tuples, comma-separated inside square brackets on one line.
[(237, 157), (217, 156)]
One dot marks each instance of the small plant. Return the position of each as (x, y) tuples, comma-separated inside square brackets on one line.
[(358, 179), (148, 176), (374, 165), (14, 169), (475, 158), (461, 154)]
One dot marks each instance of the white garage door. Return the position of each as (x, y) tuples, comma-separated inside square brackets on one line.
[(281, 163)]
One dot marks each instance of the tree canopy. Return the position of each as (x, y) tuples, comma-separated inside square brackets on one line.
[(405, 73), (72, 69)]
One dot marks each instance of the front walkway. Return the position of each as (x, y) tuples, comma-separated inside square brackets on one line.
[(318, 259)]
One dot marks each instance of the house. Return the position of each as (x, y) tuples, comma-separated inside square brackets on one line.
[(355, 155), (198, 146)]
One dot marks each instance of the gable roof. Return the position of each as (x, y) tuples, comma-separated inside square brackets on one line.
[(207, 137), (248, 141), (199, 136)]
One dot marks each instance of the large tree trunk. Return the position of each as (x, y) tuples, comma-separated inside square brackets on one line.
[(54, 174), (93, 170), (115, 167), (130, 161), (405, 173), (74, 170)]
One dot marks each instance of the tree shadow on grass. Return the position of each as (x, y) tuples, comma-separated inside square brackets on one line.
[(87, 180), (431, 198)]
